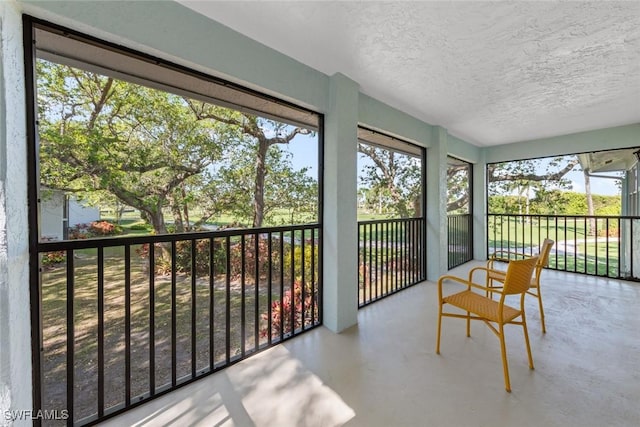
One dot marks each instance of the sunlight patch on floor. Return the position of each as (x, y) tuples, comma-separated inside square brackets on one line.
[(279, 391), (272, 388)]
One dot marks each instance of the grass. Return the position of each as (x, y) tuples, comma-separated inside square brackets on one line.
[(278, 217), (534, 231), (575, 250)]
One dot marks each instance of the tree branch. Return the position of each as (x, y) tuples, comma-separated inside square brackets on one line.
[(498, 175)]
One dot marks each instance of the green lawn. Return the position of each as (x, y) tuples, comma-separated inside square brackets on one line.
[(277, 217), (575, 249)]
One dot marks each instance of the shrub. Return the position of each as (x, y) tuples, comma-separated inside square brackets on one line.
[(80, 231), (297, 259), (94, 229), (104, 228), (283, 308), (140, 227), (183, 257), (55, 257), (250, 258)]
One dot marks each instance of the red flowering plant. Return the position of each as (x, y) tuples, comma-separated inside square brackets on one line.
[(291, 313)]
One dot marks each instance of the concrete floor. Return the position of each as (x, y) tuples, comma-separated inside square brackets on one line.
[(384, 371)]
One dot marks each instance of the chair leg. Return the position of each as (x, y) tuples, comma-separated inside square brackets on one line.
[(468, 324), (539, 296), (505, 366), (439, 327), (526, 340)]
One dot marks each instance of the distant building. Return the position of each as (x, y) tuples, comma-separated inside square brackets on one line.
[(59, 211)]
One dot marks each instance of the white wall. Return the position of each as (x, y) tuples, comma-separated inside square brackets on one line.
[(81, 214), (51, 216), (379, 116), (15, 327), (582, 142)]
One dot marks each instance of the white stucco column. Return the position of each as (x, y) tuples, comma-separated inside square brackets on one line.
[(15, 326), (480, 209), (437, 204), (340, 255)]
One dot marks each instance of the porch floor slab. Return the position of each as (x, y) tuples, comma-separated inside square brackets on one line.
[(384, 371)]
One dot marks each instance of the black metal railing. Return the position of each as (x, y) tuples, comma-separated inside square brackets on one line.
[(595, 245), (127, 319), (391, 257), (459, 239)]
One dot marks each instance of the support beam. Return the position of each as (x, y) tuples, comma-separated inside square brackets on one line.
[(15, 323), (340, 255), (437, 247), (480, 209)]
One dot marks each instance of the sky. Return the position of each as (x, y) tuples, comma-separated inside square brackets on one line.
[(602, 186), (305, 154)]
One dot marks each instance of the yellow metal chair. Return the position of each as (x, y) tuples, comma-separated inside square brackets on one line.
[(494, 275), (481, 307)]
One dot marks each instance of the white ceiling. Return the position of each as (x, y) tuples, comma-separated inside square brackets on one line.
[(491, 73)]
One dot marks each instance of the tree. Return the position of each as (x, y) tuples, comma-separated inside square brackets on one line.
[(285, 189), (107, 139), (590, 209), (267, 133), (102, 134), (393, 175), (528, 170), (458, 187), (526, 176)]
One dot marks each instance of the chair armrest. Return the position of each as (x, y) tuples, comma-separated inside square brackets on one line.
[(500, 256), (484, 288), (469, 283), (485, 269), (454, 278)]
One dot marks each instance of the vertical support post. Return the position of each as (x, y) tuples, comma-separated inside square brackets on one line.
[(437, 246), (16, 307), (480, 225), (623, 230), (340, 247)]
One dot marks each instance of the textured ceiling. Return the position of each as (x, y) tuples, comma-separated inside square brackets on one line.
[(491, 73)]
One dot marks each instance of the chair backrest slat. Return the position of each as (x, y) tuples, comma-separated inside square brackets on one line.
[(518, 277), (543, 257), (545, 250)]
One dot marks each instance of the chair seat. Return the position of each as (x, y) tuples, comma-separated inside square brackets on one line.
[(501, 275), (481, 306)]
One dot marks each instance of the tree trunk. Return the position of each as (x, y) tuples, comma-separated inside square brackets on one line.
[(185, 209), (417, 206), (118, 211), (590, 210), (258, 194), (177, 215), (156, 218)]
